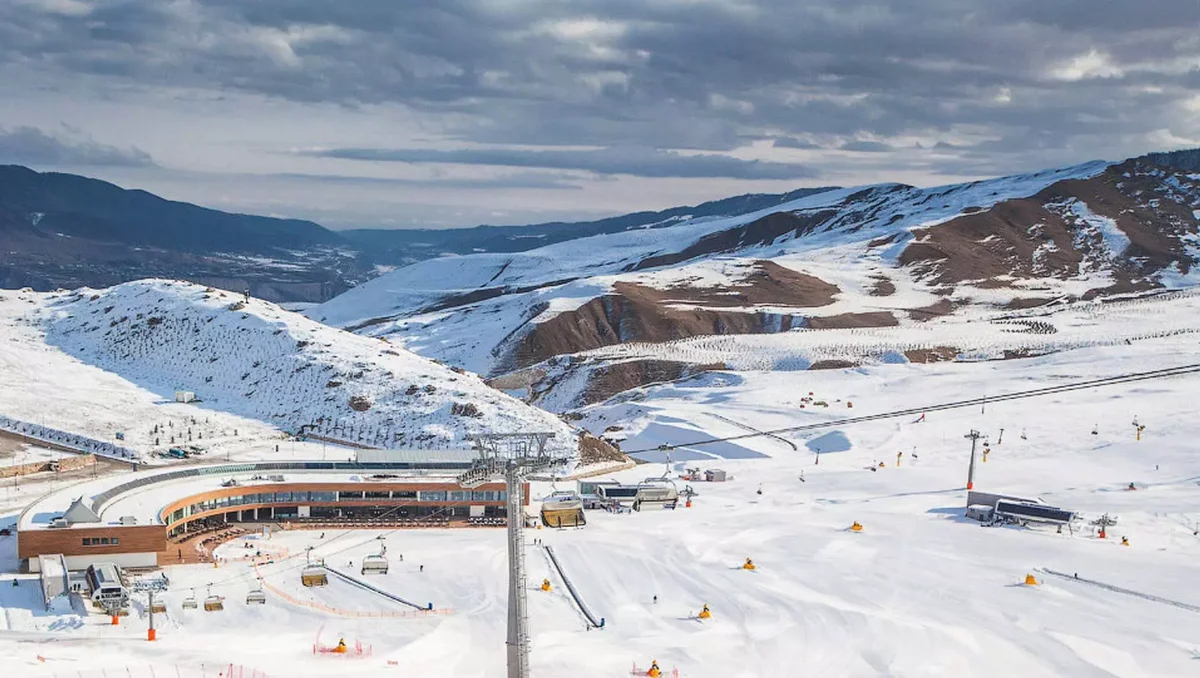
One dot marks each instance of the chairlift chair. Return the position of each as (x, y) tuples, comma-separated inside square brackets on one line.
[(256, 597), (374, 564), (213, 603), (314, 575), (189, 603)]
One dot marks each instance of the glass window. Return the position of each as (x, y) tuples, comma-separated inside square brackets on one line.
[(235, 500), (322, 496), (350, 495), (87, 541), (433, 495), (283, 496), (478, 495), (115, 541), (457, 495), (104, 540), (404, 494), (502, 495)]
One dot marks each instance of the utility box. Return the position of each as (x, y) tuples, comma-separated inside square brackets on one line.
[(714, 475), (981, 512), (184, 396)]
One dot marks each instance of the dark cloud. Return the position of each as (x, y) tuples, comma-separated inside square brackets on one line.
[(632, 161), (662, 74), (793, 142), (528, 180), (32, 146), (866, 146)]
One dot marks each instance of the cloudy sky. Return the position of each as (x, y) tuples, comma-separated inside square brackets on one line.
[(388, 113)]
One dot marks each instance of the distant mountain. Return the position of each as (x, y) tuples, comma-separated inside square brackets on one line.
[(64, 230), (575, 322), (402, 247)]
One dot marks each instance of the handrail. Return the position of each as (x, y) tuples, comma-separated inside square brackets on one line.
[(321, 607), (365, 585), (591, 618)]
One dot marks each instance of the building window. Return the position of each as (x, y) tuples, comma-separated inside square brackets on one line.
[(433, 495), (457, 495), (114, 541)]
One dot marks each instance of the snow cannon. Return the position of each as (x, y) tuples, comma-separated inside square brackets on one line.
[(856, 527), (545, 584), (341, 646), (749, 565), (1124, 541), (654, 671), (1031, 580), (705, 613)]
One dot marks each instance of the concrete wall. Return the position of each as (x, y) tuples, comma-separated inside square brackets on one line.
[(71, 463)]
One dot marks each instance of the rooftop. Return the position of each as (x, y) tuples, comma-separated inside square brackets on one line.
[(144, 494)]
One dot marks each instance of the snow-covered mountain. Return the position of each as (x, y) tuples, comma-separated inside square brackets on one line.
[(878, 256), (252, 358)]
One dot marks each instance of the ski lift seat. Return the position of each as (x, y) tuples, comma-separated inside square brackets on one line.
[(214, 604), (189, 603), (374, 564), (314, 575), (256, 597)]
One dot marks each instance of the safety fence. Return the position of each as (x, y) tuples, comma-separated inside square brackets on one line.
[(65, 440), (353, 614), (154, 671)]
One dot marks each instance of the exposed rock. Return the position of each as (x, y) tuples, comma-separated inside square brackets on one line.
[(882, 287), (848, 320), (638, 313), (465, 410), (832, 364), (593, 450), (360, 403), (931, 355), (941, 308), (609, 380)]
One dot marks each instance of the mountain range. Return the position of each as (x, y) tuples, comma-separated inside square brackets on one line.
[(578, 321), (65, 231)]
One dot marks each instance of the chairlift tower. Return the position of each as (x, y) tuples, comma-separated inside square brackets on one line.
[(513, 456)]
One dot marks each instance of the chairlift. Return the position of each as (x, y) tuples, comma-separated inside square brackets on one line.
[(256, 597), (374, 564), (189, 603), (159, 607), (314, 575), (213, 603)]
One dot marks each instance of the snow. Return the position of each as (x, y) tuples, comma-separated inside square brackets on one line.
[(541, 283), (1114, 238), (977, 335), (256, 361), (921, 591)]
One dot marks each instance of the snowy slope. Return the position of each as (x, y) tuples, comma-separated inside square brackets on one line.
[(412, 288), (921, 591), (252, 358)]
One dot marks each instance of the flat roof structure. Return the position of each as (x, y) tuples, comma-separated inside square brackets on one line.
[(128, 518)]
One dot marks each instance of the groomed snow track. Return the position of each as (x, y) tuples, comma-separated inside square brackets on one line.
[(587, 613), (364, 585)]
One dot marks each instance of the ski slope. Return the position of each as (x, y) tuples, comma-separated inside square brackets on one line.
[(920, 592)]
